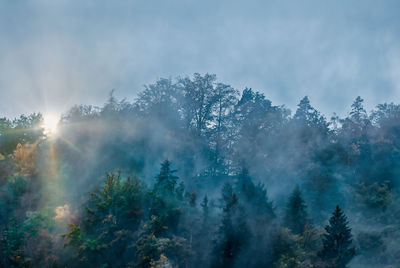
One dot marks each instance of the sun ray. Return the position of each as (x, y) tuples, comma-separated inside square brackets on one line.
[(50, 124)]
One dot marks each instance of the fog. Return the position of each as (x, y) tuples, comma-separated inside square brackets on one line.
[(242, 180), (199, 134), (55, 55)]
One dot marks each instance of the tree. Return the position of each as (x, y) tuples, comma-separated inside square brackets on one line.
[(205, 209), (160, 101), (24, 159), (203, 226), (113, 214), (355, 126), (260, 215), (167, 199), (226, 97), (296, 215), (312, 124), (254, 199), (22, 130), (79, 113), (166, 180), (337, 242), (159, 240), (233, 233), (152, 249), (199, 99), (305, 112), (358, 113), (12, 240), (255, 122)]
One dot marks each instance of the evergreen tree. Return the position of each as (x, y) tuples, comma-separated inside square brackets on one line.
[(337, 243), (202, 238), (160, 240), (233, 233), (358, 113), (205, 209), (296, 215), (113, 214), (355, 126), (167, 198), (305, 112), (243, 180), (166, 180), (312, 125), (254, 198)]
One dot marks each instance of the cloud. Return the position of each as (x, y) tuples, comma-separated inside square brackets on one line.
[(56, 54)]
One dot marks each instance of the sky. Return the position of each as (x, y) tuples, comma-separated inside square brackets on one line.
[(54, 54)]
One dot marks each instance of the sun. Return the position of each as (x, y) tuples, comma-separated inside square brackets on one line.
[(50, 124)]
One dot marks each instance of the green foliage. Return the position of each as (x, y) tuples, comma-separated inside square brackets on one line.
[(22, 130), (39, 220), (254, 198), (117, 199), (158, 241), (233, 232), (114, 213), (13, 191), (337, 243), (156, 252), (284, 248), (375, 195), (78, 240), (17, 185), (212, 132), (166, 181), (12, 241), (296, 217), (167, 199), (148, 250)]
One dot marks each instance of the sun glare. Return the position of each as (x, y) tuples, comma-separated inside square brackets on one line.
[(50, 123)]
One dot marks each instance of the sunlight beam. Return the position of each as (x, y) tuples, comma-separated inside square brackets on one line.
[(50, 124)]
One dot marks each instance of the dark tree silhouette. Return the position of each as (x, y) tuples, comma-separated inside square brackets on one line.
[(233, 232), (296, 217), (337, 243)]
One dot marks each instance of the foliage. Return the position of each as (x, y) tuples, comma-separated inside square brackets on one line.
[(337, 243), (211, 206), (375, 195), (296, 217)]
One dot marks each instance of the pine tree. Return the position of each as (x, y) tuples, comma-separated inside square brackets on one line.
[(244, 180), (233, 233), (205, 209), (357, 123), (259, 217), (160, 241), (254, 198), (358, 113), (337, 243), (113, 214), (305, 112), (202, 238), (166, 180), (296, 215), (167, 197)]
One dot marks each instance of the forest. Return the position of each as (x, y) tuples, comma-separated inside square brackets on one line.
[(195, 173)]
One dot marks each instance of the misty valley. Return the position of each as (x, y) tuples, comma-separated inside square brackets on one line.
[(195, 173)]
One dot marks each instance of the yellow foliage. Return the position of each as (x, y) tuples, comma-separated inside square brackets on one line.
[(62, 212), (163, 262), (2, 157), (24, 159)]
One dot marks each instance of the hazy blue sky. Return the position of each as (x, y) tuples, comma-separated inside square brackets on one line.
[(54, 54)]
